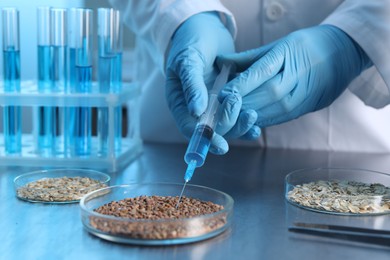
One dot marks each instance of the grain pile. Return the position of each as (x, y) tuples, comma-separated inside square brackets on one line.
[(342, 196), (62, 189), (156, 217)]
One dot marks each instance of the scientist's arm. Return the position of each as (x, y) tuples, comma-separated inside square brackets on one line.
[(300, 73), (186, 36), (368, 23)]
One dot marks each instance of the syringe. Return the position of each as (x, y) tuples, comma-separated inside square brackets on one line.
[(200, 141)]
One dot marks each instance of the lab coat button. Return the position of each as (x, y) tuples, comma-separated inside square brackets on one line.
[(274, 11)]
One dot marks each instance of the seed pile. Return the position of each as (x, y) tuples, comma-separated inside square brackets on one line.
[(156, 217), (63, 189), (342, 196)]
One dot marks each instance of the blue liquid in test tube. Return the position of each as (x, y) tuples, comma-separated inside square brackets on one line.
[(110, 78), (71, 111), (83, 81), (46, 115), (46, 120), (106, 67), (72, 69), (118, 110), (83, 115), (11, 69)]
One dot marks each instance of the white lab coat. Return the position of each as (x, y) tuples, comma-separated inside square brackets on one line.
[(359, 120)]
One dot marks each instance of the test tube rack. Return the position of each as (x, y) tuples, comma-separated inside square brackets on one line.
[(112, 160)]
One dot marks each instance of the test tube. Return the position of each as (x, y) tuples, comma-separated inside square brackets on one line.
[(118, 87), (83, 80), (71, 111), (46, 121), (59, 73), (11, 69), (110, 78)]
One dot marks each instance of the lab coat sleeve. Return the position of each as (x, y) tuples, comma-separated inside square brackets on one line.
[(368, 23), (155, 21)]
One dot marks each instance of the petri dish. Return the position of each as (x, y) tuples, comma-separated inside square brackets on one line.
[(162, 231), (59, 185), (339, 191)]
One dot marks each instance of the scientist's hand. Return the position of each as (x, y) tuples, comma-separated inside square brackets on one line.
[(303, 72), (191, 71)]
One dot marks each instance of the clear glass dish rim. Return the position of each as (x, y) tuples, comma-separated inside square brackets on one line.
[(227, 208), (107, 177), (333, 168)]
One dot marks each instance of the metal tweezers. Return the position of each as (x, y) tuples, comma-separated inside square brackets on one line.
[(355, 234)]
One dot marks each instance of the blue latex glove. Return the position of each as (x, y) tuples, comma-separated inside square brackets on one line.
[(303, 72), (191, 71)]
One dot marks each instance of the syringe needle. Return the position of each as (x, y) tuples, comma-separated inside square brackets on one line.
[(187, 177), (181, 194)]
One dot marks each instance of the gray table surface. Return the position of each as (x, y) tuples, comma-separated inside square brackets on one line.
[(252, 176)]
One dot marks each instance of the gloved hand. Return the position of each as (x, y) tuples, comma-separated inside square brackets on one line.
[(191, 71), (303, 72)]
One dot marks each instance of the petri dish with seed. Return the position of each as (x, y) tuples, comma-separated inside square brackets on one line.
[(148, 213), (59, 185), (339, 191)]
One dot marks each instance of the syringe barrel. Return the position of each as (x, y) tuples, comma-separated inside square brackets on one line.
[(201, 138), (199, 145)]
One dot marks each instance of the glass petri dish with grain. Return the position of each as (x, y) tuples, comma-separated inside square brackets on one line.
[(59, 185), (339, 191), (148, 213)]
